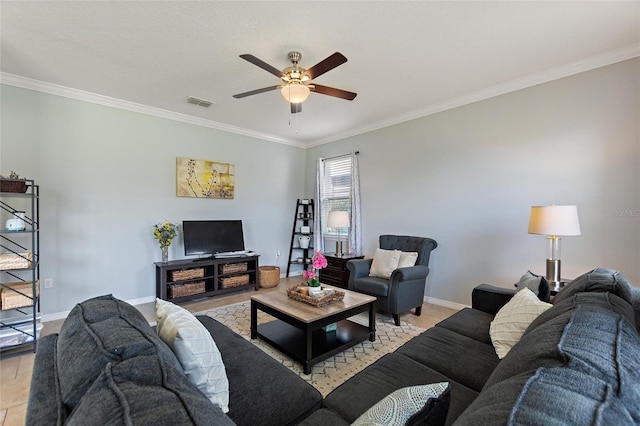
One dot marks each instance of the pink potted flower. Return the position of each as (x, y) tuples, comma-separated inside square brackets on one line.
[(317, 262)]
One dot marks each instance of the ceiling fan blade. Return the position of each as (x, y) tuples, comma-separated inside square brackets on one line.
[(295, 108), (255, 92), (332, 91), (262, 64), (326, 65)]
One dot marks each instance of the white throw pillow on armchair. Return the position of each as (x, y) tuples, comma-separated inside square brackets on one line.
[(407, 259), (384, 263)]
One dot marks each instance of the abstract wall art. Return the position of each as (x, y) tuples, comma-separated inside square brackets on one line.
[(204, 179)]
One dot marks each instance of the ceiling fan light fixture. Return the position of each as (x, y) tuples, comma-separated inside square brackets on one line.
[(297, 82), (295, 93)]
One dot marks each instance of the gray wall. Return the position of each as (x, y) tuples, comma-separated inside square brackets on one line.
[(107, 176), (467, 177)]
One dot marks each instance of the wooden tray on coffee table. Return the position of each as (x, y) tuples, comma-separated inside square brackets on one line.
[(293, 292)]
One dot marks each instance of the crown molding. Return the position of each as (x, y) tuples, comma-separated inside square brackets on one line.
[(82, 95), (588, 64)]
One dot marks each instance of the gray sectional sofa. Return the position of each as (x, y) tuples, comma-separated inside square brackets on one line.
[(108, 366), (577, 363)]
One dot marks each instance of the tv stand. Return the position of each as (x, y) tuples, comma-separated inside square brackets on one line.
[(188, 279)]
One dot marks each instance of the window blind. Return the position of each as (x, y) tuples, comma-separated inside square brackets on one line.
[(336, 190)]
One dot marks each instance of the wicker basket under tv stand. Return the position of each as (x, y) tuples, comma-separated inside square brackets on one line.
[(220, 275)]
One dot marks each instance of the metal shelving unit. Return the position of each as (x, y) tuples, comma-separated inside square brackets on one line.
[(19, 325)]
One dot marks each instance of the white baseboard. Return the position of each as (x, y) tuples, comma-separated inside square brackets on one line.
[(445, 303), (141, 300), (62, 315), (54, 316)]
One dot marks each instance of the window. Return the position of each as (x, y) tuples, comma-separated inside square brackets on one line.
[(336, 191)]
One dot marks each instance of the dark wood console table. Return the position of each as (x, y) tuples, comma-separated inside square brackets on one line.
[(336, 272)]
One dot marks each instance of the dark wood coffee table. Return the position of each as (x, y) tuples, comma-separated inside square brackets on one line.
[(297, 331)]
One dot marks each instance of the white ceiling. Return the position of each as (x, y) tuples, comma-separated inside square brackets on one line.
[(405, 59)]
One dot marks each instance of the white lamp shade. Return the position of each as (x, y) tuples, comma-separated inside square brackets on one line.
[(554, 220), (295, 93), (338, 219)]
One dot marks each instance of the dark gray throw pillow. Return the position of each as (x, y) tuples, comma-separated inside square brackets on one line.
[(537, 284), (99, 331), (144, 391), (434, 411)]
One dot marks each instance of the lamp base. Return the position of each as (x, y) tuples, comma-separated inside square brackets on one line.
[(553, 273), (339, 249)]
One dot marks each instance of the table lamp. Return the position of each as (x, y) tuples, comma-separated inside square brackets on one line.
[(554, 221), (338, 219)]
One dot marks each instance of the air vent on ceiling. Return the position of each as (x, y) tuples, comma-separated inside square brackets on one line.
[(199, 102)]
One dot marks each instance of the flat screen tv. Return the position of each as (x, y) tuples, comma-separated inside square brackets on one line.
[(209, 237)]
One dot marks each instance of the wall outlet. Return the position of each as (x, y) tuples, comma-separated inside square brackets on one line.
[(278, 253), (48, 282)]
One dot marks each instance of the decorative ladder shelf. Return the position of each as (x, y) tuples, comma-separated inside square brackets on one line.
[(302, 229)]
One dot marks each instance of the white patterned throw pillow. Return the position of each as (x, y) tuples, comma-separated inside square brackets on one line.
[(512, 320), (195, 349), (402, 406)]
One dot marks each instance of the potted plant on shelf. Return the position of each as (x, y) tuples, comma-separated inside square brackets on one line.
[(165, 233), (318, 261)]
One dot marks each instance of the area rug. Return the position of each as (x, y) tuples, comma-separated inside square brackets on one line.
[(330, 373)]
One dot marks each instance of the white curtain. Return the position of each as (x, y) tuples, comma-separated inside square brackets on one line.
[(318, 240), (355, 232)]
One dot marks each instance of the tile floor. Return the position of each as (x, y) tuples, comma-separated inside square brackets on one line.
[(15, 373)]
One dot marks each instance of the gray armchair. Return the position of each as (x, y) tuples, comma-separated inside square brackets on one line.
[(404, 290)]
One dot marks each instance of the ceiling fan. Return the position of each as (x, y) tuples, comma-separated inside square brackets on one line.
[(297, 81)]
